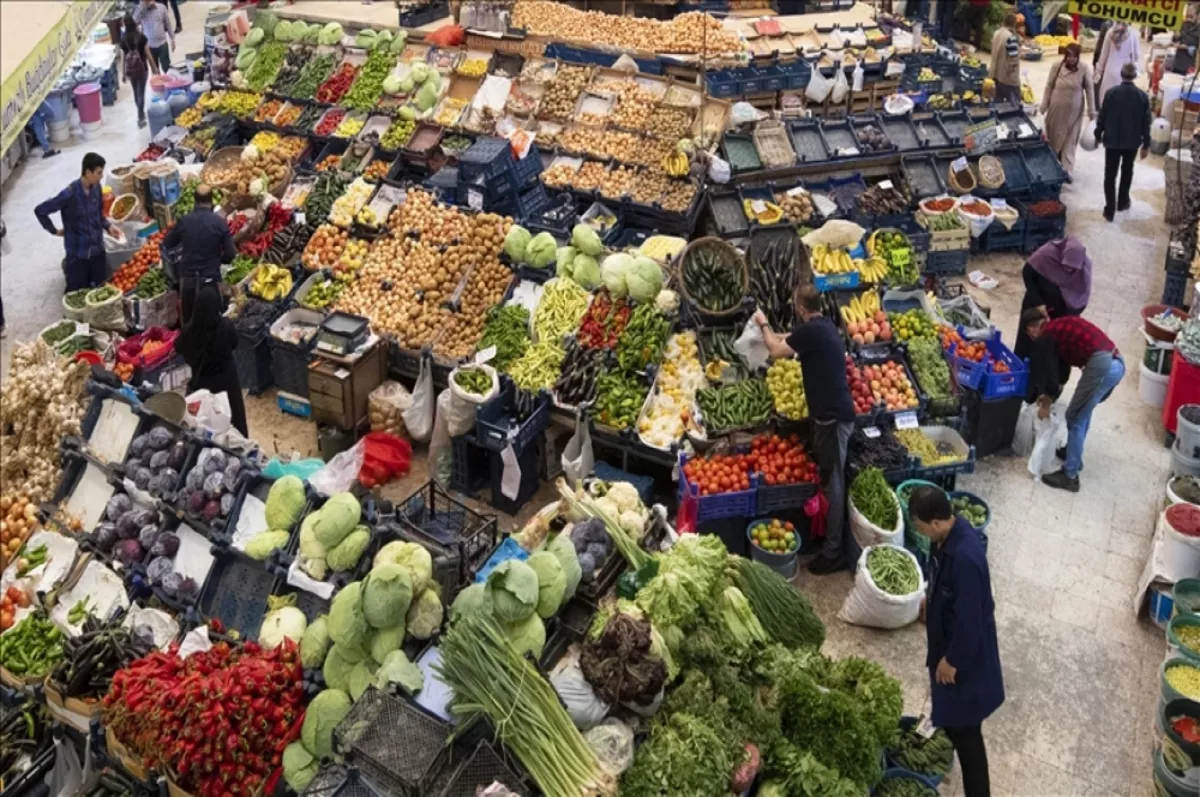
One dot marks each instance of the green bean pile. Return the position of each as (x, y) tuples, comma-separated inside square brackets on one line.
[(903, 787), (933, 756), (892, 570)]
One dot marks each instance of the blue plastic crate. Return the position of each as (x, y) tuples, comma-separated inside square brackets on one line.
[(524, 203), (948, 263), (776, 497), (1045, 171), (487, 157), (796, 74), (836, 282), (723, 83), (444, 184), (981, 377), (236, 592), (772, 78), (751, 81), (1040, 229), (742, 503), (495, 423), (998, 238), (293, 405)]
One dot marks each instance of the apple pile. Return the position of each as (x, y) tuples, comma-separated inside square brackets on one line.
[(885, 384), (875, 328)]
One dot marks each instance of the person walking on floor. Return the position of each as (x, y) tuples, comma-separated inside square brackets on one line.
[(139, 63), (206, 343), (175, 8), (816, 343), (1058, 279), (205, 243), (963, 656), (1123, 127), (1067, 98), (1005, 67), (83, 226), (156, 26), (37, 123), (1120, 48), (1071, 341), (975, 15)]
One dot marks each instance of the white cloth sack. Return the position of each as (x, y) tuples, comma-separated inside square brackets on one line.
[(584, 706), (867, 533), (460, 414), (339, 473), (869, 606), (841, 87), (819, 87), (751, 345), (578, 460), (836, 234), (1048, 435), (976, 224), (418, 418)]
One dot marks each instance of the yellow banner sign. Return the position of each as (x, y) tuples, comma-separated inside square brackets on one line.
[(28, 85), (1165, 14)]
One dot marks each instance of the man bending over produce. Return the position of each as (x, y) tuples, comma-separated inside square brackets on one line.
[(963, 658), (1075, 342), (822, 357), (83, 224)]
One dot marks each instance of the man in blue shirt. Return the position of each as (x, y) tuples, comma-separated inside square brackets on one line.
[(817, 345), (83, 224), (963, 657)]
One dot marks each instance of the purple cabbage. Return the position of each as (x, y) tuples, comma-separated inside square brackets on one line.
[(127, 526), (118, 505), (146, 457), (141, 478), (188, 588), (213, 485), (159, 459), (211, 510), (104, 537), (195, 502), (128, 552), (147, 536), (171, 583), (170, 477), (137, 446), (167, 544), (159, 568), (160, 437), (226, 504), (178, 456), (231, 474), (215, 461), (195, 478), (144, 516)]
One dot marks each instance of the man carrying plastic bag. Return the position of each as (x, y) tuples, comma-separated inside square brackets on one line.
[(963, 657)]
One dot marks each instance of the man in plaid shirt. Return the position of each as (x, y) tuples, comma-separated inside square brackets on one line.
[(1076, 342), (80, 205)]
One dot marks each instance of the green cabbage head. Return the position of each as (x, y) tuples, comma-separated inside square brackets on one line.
[(347, 622), (515, 243), (299, 766), (586, 240), (314, 645), (360, 678), (527, 636), (385, 640), (613, 271), (285, 502), (564, 261), (552, 583), (387, 592), (471, 601), (345, 555), (644, 279), (586, 272), (425, 614), (324, 714), (541, 251), (397, 669), (336, 519), (337, 669), (513, 590), (261, 545), (411, 556)]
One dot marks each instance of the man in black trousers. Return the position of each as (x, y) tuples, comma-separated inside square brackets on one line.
[(174, 6), (1123, 128)]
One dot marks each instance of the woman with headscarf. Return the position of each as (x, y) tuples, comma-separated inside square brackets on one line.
[(1121, 47), (1067, 97), (206, 343), (1058, 278)]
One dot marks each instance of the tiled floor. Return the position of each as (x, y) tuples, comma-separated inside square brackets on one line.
[(1080, 670)]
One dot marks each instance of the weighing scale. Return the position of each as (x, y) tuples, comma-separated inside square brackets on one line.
[(342, 333)]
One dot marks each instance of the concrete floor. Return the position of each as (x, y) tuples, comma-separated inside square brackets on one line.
[(1080, 669)]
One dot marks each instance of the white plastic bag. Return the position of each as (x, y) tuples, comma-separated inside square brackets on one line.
[(418, 418), (339, 473), (206, 410), (751, 345), (867, 533), (1087, 139), (743, 113), (386, 405), (836, 234), (818, 87), (719, 171), (612, 742), (440, 453), (1022, 444), (510, 478), (859, 76), (581, 701), (66, 777), (577, 457), (841, 87), (1048, 435), (869, 606), (460, 415)]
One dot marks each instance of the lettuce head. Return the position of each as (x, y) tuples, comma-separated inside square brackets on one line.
[(644, 279), (324, 714), (512, 588), (552, 583), (586, 272), (413, 557), (397, 669), (541, 250)]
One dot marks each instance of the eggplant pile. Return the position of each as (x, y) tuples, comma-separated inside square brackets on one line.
[(773, 276), (95, 655), (288, 243), (581, 367)]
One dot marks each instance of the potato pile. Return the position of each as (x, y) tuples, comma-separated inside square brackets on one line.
[(683, 34), (236, 176)]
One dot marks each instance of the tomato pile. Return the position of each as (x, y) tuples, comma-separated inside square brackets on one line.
[(126, 277), (949, 337), (150, 153), (13, 599), (218, 720), (774, 458), (325, 247), (329, 163), (329, 122), (332, 90)]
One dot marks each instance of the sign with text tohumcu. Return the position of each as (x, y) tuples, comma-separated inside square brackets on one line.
[(1165, 14), (24, 90)]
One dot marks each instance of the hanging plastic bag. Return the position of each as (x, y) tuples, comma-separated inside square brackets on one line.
[(819, 87), (339, 473), (870, 606), (207, 410), (460, 416), (66, 778), (1022, 444), (752, 346), (418, 418), (577, 457), (386, 405), (441, 456), (858, 77), (510, 478), (1087, 139), (841, 86), (1049, 434)]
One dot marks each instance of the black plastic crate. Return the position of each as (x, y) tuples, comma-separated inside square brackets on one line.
[(482, 768), (1016, 174), (575, 618), (1175, 288), (777, 497), (396, 743), (468, 465), (445, 524), (496, 421), (727, 215), (87, 426), (289, 367), (1045, 171), (424, 14), (999, 238), (487, 157), (528, 462), (525, 202), (922, 176), (236, 592), (948, 263), (252, 358)]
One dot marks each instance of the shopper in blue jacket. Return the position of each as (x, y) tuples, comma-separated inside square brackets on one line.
[(960, 629)]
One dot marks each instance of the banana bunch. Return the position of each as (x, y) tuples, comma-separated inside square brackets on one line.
[(831, 261), (675, 164), (1027, 94), (271, 282), (861, 308), (872, 269)]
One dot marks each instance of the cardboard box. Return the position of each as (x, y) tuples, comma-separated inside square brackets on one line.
[(126, 759)]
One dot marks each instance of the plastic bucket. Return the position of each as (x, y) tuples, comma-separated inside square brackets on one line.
[(59, 103), (912, 539), (1174, 646), (1173, 497), (1166, 691), (1186, 595), (1152, 387), (1180, 757), (1166, 782), (87, 100), (1181, 463), (1187, 433), (782, 563), (1179, 553), (1158, 355)]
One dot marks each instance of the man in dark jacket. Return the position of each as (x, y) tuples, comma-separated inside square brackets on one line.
[(1123, 128), (205, 244), (963, 657)]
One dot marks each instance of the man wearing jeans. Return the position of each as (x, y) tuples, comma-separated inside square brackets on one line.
[(1081, 344), (156, 27), (818, 346)]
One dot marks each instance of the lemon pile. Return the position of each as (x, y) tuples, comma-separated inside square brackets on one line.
[(786, 383)]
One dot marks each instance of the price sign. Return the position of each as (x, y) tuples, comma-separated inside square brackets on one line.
[(474, 199), (901, 257), (906, 420), (797, 191), (758, 206), (871, 431), (885, 185), (300, 218), (925, 728), (485, 355), (960, 164), (999, 204)]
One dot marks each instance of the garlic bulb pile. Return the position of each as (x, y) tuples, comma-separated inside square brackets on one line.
[(41, 400)]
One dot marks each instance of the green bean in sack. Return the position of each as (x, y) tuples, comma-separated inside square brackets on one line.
[(888, 588)]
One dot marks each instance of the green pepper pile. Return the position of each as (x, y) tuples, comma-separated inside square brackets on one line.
[(872, 497), (903, 787), (238, 270), (32, 647), (152, 284), (473, 380), (976, 514), (369, 84), (893, 570), (931, 757), (643, 339), (507, 329), (619, 399)]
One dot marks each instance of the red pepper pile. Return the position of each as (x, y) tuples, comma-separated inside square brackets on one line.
[(151, 153), (278, 217), (257, 246), (236, 222), (217, 720), (338, 84), (1047, 207), (603, 323), (329, 122), (1188, 728)]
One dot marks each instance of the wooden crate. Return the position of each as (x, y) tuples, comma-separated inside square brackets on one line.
[(338, 387)]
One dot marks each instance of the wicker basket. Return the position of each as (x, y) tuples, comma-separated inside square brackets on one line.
[(991, 172), (774, 148), (233, 201), (717, 248), (960, 182)]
